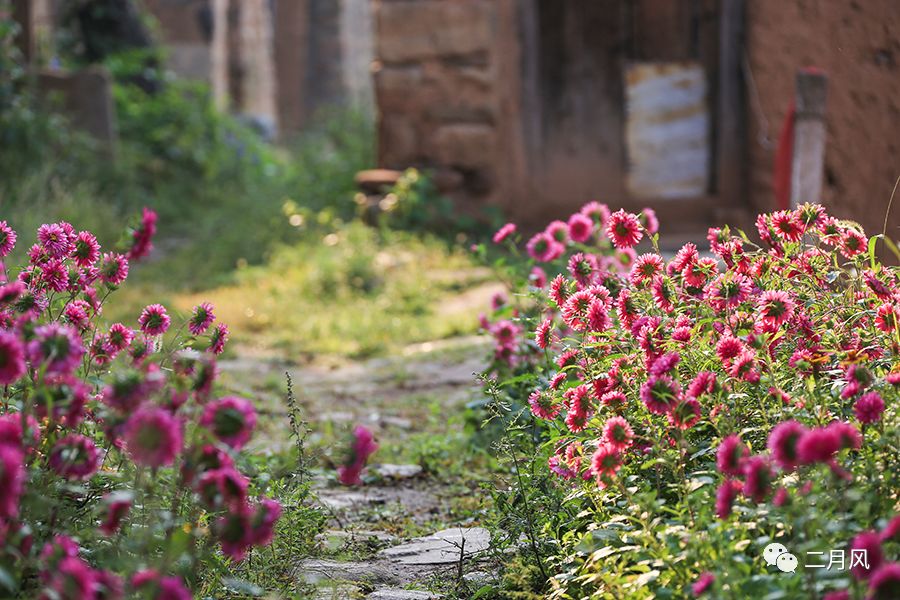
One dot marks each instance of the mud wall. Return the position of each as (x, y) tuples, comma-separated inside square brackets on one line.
[(857, 43)]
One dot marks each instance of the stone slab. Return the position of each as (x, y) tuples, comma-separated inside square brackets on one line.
[(441, 547)]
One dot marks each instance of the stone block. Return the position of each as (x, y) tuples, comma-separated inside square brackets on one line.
[(398, 141), (468, 145), (411, 31)]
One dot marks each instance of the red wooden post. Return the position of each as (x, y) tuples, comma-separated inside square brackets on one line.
[(808, 159)]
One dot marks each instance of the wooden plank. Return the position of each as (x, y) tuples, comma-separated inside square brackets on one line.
[(729, 138), (808, 158)]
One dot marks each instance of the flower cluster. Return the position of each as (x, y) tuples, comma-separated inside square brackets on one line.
[(95, 417), (646, 367)]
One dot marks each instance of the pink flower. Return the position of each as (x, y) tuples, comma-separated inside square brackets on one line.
[(704, 383), (12, 480), (885, 582), (886, 317), (153, 437), (575, 310), (787, 225), (231, 420), (118, 338), (55, 240), (758, 475), (580, 227), (201, 459), (263, 521), (559, 290), (660, 394), (703, 583), (163, 588), (868, 408), (233, 530), (538, 277), (223, 487), (543, 406), (559, 231), (725, 496), (218, 338), (892, 530), (853, 243), (818, 445), (12, 358), (729, 347), (869, 543), (77, 314), (728, 290), (624, 229), (72, 579), (543, 248), (113, 268), (58, 347), (646, 267), (731, 455), (543, 335), (649, 221), (504, 232), (117, 508), (363, 446), (598, 213), (142, 236), (605, 462), (86, 250), (664, 364), (618, 433), (775, 308), (109, 586), (55, 276), (685, 414), (154, 320), (783, 441), (583, 268), (75, 457), (7, 239), (201, 318)]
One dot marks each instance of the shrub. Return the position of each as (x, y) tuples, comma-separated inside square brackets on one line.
[(119, 467), (697, 408)]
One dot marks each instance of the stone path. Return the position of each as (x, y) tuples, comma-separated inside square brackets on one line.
[(403, 529)]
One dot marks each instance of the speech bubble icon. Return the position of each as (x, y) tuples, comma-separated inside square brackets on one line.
[(787, 563), (772, 552)]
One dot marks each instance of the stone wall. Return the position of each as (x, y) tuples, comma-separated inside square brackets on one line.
[(436, 88), (856, 43)]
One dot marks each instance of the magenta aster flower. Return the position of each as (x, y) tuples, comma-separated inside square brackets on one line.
[(703, 383), (161, 588), (223, 487), (598, 316), (86, 250), (72, 579), (201, 318), (55, 276), (646, 267), (543, 248), (583, 268), (117, 507), (118, 338), (775, 308), (218, 338), (581, 227), (731, 455), (12, 358), (559, 231), (660, 394), (543, 335), (55, 240), (154, 320), (12, 480), (75, 457), (113, 268), (599, 213), (538, 277), (78, 314), (504, 232), (868, 408), (758, 475), (109, 586), (142, 237), (703, 583), (263, 521), (605, 463), (202, 459), (231, 420), (853, 243), (7, 239), (623, 229), (649, 221), (618, 433), (153, 437), (787, 225), (886, 317), (543, 405), (234, 533), (818, 445), (664, 364), (11, 291), (783, 441), (728, 290), (57, 346), (870, 544), (685, 414), (575, 310), (362, 447), (725, 496), (559, 290), (885, 582)]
